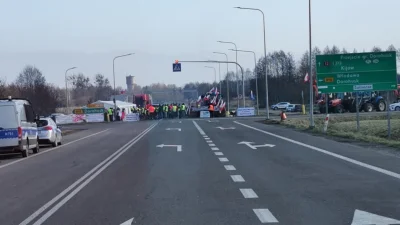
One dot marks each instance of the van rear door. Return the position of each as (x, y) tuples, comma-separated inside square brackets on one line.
[(8, 125)]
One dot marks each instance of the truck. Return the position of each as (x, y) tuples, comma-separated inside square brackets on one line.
[(142, 100)]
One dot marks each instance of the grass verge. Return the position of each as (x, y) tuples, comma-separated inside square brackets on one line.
[(373, 129)]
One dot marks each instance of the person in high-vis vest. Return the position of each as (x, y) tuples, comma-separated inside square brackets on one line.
[(211, 110), (165, 109), (183, 110), (174, 108), (110, 114)]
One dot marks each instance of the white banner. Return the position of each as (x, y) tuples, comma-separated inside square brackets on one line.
[(64, 119), (204, 114), (94, 118), (245, 111), (131, 117)]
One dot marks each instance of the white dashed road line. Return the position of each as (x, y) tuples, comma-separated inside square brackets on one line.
[(265, 216), (248, 193), (237, 178), (223, 159), (229, 167)]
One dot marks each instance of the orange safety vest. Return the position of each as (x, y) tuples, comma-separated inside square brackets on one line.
[(151, 109), (211, 108)]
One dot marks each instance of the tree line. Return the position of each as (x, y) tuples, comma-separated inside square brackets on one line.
[(285, 83)]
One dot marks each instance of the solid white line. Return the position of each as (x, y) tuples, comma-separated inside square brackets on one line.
[(209, 141), (265, 216), (248, 193), (237, 178), (229, 167), (98, 168), (199, 129), (211, 145), (223, 159), (214, 148), (347, 159), (218, 153), (51, 149)]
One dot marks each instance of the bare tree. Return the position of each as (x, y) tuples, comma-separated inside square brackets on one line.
[(376, 49)]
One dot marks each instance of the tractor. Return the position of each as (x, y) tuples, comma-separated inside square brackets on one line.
[(367, 102), (334, 104)]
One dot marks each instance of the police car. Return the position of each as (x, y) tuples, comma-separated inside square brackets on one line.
[(18, 129)]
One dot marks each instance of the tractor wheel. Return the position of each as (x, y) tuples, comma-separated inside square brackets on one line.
[(339, 109), (381, 106), (368, 107)]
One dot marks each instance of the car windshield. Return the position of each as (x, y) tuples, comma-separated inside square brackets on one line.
[(42, 123)]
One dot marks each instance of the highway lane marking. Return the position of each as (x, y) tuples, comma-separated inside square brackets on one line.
[(51, 149), (237, 178), (209, 141), (265, 216), (223, 159), (248, 193), (211, 145), (218, 153), (207, 138), (215, 149), (89, 176), (347, 159), (229, 167)]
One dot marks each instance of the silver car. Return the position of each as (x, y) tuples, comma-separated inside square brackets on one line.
[(49, 132)]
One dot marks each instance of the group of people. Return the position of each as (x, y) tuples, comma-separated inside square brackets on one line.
[(162, 111)]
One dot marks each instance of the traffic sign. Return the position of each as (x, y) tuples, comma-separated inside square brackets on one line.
[(88, 111), (370, 71), (176, 67)]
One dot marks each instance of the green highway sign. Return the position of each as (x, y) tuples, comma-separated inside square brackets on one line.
[(369, 71), (88, 110)]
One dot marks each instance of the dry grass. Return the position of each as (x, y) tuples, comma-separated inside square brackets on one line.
[(373, 129)]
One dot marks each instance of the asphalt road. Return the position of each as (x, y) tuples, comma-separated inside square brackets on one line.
[(217, 171)]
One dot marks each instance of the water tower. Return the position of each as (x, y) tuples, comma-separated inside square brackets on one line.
[(129, 87)]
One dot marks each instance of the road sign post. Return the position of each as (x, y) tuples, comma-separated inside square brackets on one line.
[(355, 72), (176, 67)]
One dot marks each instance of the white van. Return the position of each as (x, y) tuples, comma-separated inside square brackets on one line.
[(18, 129)]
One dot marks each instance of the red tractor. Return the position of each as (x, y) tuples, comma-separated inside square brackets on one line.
[(142, 100)]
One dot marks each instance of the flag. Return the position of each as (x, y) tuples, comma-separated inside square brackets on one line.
[(306, 78), (252, 95)]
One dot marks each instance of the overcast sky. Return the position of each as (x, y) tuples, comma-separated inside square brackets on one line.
[(54, 35)]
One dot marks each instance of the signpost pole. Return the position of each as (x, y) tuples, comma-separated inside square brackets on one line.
[(326, 103), (388, 114), (358, 113)]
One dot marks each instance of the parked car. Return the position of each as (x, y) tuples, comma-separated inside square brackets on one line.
[(293, 108), (394, 106), (280, 105), (290, 108), (49, 132), (18, 129)]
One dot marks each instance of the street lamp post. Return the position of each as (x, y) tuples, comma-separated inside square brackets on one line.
[(215, 73), (255, 74), (310, 70), (116, 57), (227, 80), (219, 75), (265, 57), (66, 86), (237, 75)]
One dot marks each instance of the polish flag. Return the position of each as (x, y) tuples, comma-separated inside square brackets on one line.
[(306, 78)]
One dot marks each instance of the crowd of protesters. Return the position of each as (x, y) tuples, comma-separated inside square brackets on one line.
[(162, 111)]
